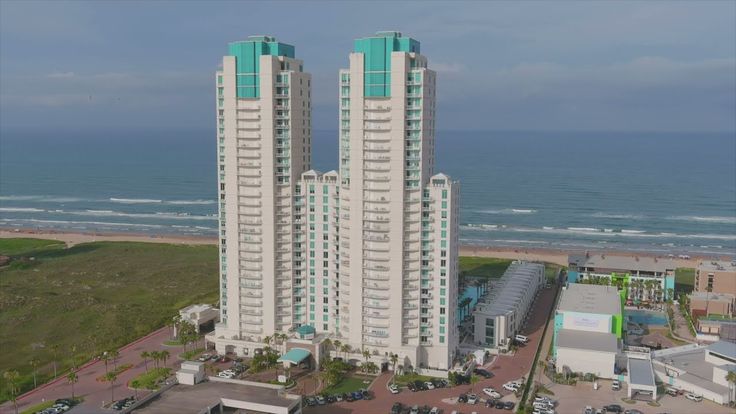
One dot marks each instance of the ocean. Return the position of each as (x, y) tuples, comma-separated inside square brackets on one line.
[(659, 192)]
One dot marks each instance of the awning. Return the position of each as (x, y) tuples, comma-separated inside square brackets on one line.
[(295, 356)]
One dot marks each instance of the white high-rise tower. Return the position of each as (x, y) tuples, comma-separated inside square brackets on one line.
[(367, 255), (264, 137)]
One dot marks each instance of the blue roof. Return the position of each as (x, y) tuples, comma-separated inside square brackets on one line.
[(727, 349), (295, 356)]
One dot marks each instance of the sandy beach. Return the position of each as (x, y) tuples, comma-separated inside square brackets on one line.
[(557, 256)]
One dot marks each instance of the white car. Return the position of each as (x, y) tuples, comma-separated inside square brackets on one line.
[(393, 388), (429, 385), (694, 397), (434, 410), (588, 410), (511, 386), (616, 385), (492, 393), (472, 399)]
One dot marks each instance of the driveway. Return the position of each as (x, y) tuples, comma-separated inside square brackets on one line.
[(94, 392), (505, 368)]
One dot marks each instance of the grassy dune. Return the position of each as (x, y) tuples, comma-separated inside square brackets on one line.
[(93, 296)]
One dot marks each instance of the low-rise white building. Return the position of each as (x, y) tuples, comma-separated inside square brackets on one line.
[(500, 315), (202, 316), (190, 373), (587, 330), (698, 369)]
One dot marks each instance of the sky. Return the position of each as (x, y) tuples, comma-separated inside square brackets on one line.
[(552, 66)]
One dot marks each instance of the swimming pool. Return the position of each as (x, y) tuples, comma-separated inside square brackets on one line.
[(646, 317)]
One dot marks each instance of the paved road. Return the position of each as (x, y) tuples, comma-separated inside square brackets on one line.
[(96, 392), (504, 368)]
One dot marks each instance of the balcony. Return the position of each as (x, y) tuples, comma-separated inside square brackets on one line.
[(377, 108), (375, 334), (376, 315), (375, 296), (249, 294), (373, 324), (374, 305), (375, 276)]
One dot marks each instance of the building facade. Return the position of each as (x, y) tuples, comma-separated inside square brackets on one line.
[(500, 315), (368, 254), (644, 279), (588, 329), (716, 277)]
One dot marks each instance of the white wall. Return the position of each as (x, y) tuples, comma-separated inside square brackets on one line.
[(598, 363)]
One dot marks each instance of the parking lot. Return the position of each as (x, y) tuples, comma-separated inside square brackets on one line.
[(574, 399), (505, 368)]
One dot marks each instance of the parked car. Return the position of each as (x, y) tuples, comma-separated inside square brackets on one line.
[(396, 408), (348, 397), (492, 393), (483, 373), (393, 388), (411, 387), (511, 386), (633, 411), (521, 338), (366, 394), (414, 410), (614, 408), (472, 399), (694, 397), (434, 410), (499, 405), (338, 397), (321, 400), (462, 398), (672, 392), (508, 405), (310, 401), (429, 385)]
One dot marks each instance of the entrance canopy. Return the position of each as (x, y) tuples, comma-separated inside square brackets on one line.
[(295, 356)]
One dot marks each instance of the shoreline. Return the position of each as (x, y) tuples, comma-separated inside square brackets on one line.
[(557, 256)]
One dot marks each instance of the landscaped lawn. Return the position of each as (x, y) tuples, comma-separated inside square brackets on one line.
[(483, 266), (684, 279), (93, 296), (349, 384)]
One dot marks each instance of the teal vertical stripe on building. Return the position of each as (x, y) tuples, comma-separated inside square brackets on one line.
[(247, 62), (377, 59)]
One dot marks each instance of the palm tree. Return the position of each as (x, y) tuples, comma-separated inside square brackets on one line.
[(111, 377), (267, 340), (337, 344), (731, 378), (164, 356), (114, 355), (106, 359), (474, 379), (34, 364), (175, 321), (366, 355), (72, 379), (73, 354), (155, 356), (394, 358), (12, 379), (54, 355), (145, 355), (345, 348)]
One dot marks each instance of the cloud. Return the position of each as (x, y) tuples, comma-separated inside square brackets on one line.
[(60, 75), (441, 67)]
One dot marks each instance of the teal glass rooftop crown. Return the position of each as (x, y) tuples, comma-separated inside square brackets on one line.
[(377, 59), (247, 61)]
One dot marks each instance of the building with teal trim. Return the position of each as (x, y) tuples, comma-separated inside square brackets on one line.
[(588, 329), (366, 254), (644, 279), (398, 217), (263, 138)]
